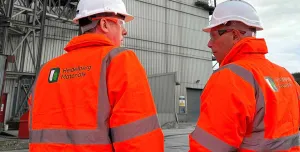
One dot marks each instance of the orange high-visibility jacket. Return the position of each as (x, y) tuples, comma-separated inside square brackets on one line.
[(249, 104), (95, 98)]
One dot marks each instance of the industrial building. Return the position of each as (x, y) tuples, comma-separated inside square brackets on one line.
[(166, 36)]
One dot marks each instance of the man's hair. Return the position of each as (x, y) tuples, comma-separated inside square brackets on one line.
[(88, 20), (253, 29), (241, 24), (84, 21)]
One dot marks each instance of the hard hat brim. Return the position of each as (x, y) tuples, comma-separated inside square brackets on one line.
[(208, 28), (128, 18)]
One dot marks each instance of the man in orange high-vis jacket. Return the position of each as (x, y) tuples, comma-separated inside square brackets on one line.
[(249, 104), (96, 97)]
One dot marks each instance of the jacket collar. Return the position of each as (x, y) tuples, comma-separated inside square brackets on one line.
[(246, 48), (87, 40)]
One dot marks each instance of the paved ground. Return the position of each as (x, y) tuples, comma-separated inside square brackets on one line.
[(176, 140)]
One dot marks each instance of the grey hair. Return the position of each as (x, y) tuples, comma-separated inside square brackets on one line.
[(250, 31), (88, 25)]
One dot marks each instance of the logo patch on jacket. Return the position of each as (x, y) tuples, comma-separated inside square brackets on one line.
[(54, 75), (271, 83)]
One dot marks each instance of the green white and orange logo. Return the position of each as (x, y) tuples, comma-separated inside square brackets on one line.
[(54, 75), (271, 83)]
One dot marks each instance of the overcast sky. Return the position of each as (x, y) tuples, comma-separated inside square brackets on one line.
[(281, 21)]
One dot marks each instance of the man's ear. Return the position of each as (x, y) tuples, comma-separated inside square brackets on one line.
[(236, 35), (103, 25)]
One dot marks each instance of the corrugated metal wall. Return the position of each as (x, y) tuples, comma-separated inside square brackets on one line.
[(163, 91), (166, 35)]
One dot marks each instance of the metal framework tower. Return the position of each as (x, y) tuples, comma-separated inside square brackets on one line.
[(24, 21)]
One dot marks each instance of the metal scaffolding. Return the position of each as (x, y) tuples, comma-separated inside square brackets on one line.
[(26, 19)]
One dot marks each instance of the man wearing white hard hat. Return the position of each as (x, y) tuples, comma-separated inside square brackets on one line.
[(249, 103), (98, 98)]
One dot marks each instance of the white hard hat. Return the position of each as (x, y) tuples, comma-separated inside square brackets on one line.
[(234, 10), (87, 8)]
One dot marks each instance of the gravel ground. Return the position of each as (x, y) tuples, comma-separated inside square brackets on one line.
[(13, 144)]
